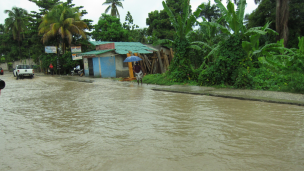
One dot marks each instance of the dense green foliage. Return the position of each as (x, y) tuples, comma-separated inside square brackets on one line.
[(31, 45), (225, 49), (266, 12), (236, 56), (231, 67), (160, 26), (62, 22), (180, 68), (109, 28)]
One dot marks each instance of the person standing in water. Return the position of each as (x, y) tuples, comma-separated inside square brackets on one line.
[(138, 73)]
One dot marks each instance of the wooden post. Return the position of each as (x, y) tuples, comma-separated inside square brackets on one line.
[(160, 63), (166, 61), (172, 54), (142, 63), (148, 63), (152, 67)]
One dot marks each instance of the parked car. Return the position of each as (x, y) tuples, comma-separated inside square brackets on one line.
[(1, 71), (23, 70)]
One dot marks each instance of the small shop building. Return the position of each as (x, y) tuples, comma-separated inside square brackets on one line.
[(107, 60)]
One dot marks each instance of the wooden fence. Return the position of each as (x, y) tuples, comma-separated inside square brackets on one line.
[(159, 62)]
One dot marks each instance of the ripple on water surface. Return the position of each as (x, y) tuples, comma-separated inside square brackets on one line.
[(52, 124)]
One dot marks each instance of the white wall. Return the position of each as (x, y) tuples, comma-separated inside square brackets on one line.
[(19, 62)]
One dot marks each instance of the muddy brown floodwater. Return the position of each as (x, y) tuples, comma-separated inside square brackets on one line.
[(48, 124)]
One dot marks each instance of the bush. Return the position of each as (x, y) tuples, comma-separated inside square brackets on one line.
[(295, 83), (225, 69)]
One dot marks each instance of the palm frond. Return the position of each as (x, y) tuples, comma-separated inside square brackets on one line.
[(69, 36), (107, 2), (46, 37), (80, 24), (68, 21), (119, 4), (108, 8)]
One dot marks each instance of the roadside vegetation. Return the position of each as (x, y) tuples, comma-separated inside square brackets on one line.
[(215, 45)]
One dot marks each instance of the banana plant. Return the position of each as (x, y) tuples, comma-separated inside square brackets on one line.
[(275, 55), (183, 23), (233, 17), (253, 35), (181, 69)]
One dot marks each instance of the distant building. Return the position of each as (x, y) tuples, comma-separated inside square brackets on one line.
[(107, 60)]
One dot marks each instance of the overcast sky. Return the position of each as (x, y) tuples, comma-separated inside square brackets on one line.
[(139, 9)]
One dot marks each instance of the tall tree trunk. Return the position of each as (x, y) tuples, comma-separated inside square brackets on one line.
[(18, 39), (282, 14)]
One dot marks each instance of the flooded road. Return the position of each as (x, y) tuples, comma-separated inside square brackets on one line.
[(48, 123)]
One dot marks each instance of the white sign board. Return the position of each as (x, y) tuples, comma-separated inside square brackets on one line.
[(76, 49), (50, 49), (75, 57)]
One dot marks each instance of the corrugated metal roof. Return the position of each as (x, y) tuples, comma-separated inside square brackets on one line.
[(125, 47), (95, 52)]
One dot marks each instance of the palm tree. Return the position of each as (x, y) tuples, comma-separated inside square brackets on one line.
[(16, 23), (62, 21), (113, 4)]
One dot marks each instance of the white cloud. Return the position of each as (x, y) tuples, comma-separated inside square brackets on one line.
[(139, 9)]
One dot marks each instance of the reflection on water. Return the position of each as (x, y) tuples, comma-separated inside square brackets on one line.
[(52, 124)]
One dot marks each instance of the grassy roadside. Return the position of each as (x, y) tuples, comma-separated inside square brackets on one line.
[(161, 79)]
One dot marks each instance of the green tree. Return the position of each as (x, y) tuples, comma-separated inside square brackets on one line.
[(135, 34), (282, 16), (109, 28), (181, 68), (34, 46), (266, 12), (210, 12), (63, 21), (45, 5), (233, 18), (160, 26), (128, 24), (113, 4), (16, 23), (140, 35), (1, 28)]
